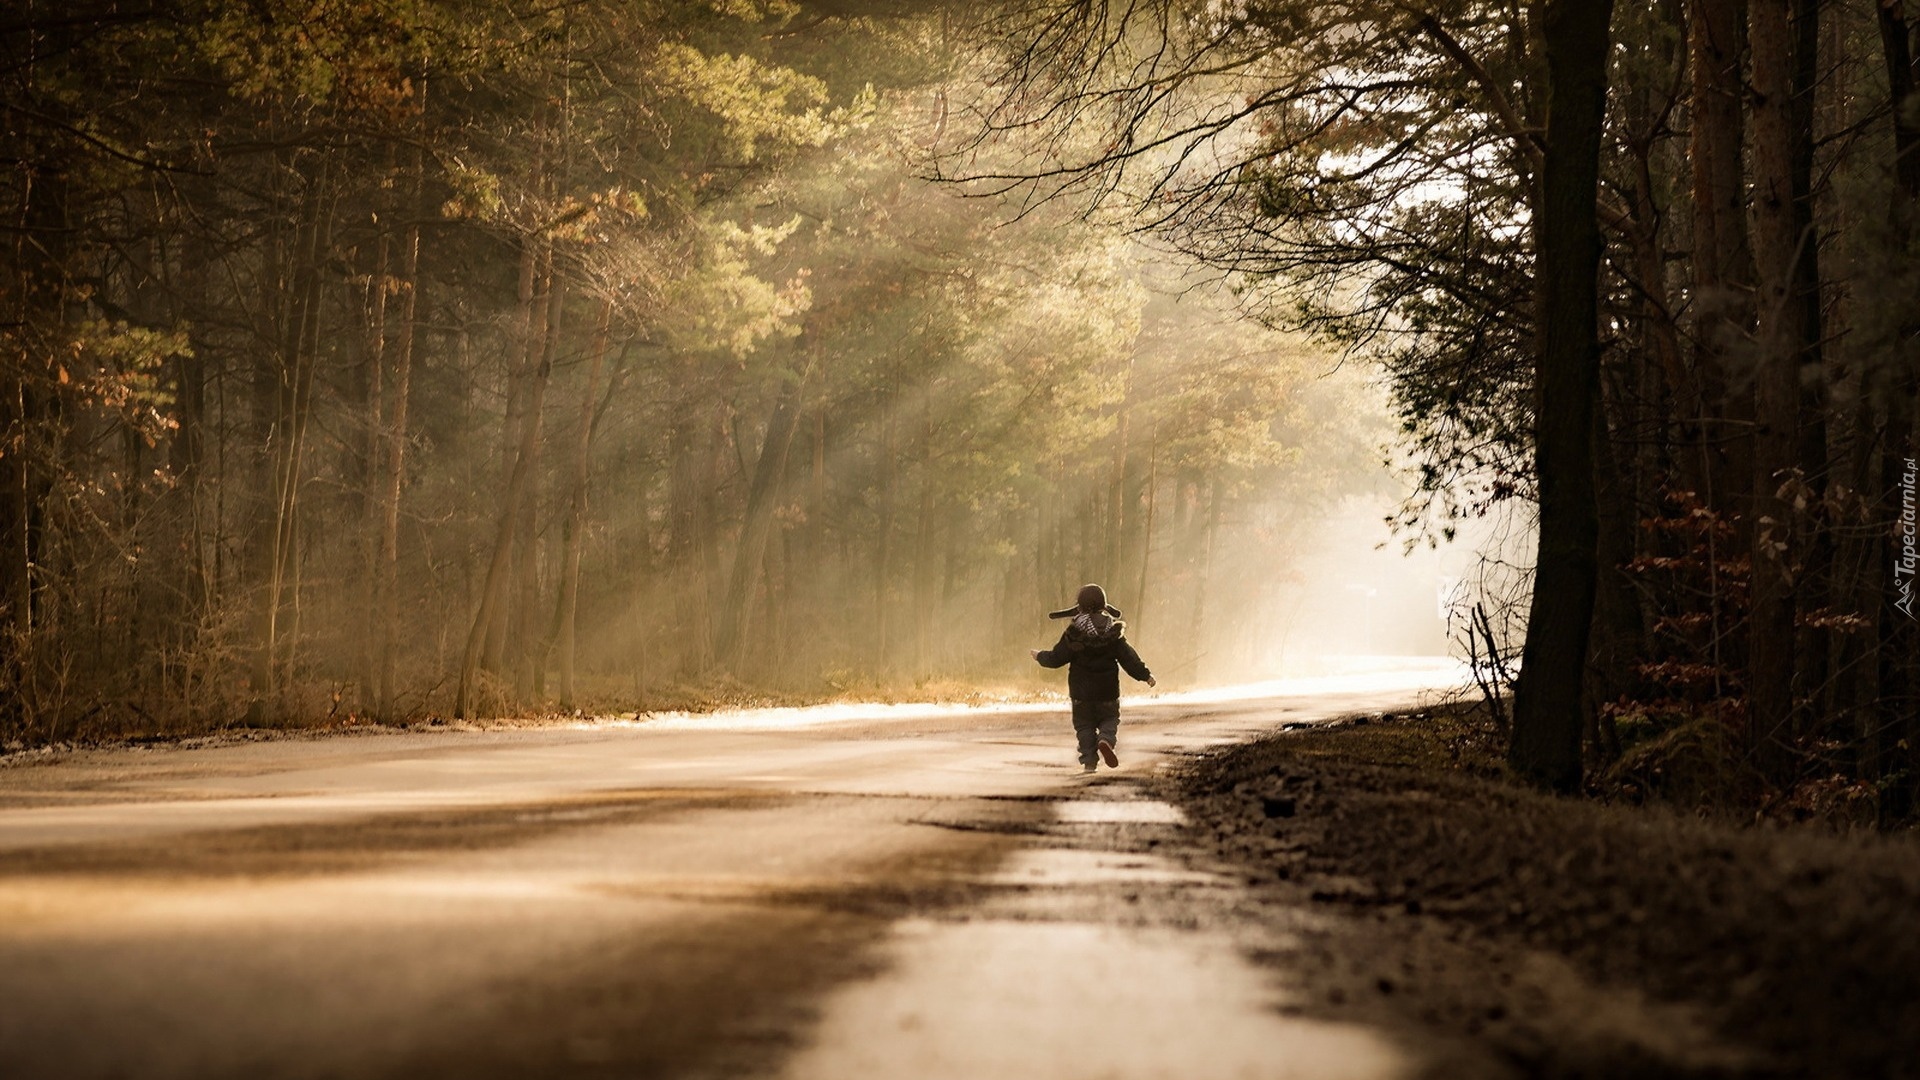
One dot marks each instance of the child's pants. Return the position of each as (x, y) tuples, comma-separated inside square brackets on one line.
[(1093, 721)]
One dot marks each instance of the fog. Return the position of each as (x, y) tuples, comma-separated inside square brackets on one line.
[(463, 396)]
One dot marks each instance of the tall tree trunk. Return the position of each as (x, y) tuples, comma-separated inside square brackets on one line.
[(1817, 589), (1618, 631), (1547, 712), (1197, 637), (1676, 403), (1896, 47), (683, 514), (531, 336), (750, 555), (694, 443), (1146, 529), (924, 525), (375, 366), (294, 375), (883, 540), (719, 442), (1722, 264), (529, 680), (186, 456), (393, 465), (1779, 338), (573, 523), (493, 593), (817, 489), (1114, 532), (263, 434)]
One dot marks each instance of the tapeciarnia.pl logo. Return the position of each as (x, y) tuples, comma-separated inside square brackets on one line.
[(1904, 562)]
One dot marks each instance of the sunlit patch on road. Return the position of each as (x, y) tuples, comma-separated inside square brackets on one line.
[(1344, 675), (803, 716), (1118, 812), (1070, 1001)]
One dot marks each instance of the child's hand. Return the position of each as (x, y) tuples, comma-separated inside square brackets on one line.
[(1152, 682), (1035, 653)]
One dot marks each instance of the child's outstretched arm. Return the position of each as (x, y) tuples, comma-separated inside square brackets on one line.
[(1054, 657), (1135, 666)]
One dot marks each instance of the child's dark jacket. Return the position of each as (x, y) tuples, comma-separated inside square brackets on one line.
[(1094, 649)]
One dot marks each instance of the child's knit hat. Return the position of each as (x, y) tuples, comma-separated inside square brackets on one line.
[(1092, 599)]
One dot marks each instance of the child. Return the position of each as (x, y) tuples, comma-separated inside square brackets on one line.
[(1095, 644)]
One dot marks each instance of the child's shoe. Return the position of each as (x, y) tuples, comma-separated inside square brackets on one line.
[(1106, 754), (1089, 768)]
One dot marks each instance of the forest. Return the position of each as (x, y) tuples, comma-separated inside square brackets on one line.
[(394, 358), (385, 360)]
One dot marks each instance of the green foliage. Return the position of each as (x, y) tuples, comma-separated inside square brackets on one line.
[(756, 105), (352, 53), (222, 301), (124, 372), (722, 305)]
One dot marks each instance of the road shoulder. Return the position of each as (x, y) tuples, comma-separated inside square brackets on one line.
[(1499, 929)]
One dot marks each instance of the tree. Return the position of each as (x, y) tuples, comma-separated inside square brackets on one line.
[(1547, 709)]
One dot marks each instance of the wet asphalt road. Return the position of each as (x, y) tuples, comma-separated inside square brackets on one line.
[(823, 894)]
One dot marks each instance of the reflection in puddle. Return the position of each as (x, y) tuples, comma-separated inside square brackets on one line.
[(1071, 1001), (1117, 812), (1062, 866)]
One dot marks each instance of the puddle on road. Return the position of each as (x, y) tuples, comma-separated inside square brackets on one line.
[(1118, 812), (1058, 867), (1073, 1001)]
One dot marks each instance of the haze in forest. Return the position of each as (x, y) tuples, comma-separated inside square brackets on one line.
[(426, 363)]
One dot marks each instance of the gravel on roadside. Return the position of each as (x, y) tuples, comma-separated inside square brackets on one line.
[(1494, 925)]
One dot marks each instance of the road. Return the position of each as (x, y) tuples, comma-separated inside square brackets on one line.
[(830, 893)]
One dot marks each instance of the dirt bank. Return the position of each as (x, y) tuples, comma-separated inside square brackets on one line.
[(1491, 925)]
